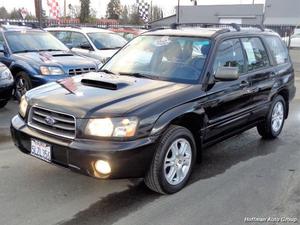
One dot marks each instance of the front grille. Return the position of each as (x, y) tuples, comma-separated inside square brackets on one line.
[(79, 71), (52, 122)]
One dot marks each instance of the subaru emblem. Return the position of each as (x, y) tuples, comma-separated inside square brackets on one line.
[(50, 120)]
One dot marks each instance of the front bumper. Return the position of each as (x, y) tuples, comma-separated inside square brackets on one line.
[(127, 159)]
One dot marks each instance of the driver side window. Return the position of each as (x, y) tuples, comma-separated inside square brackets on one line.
[(78, 40), (1, 43), (229, 54)]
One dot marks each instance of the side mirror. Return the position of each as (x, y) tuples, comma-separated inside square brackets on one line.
[(86, 46), (227, 73)]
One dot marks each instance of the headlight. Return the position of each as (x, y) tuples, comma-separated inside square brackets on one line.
[(6, 75), (51, 70), (23, 106), (112, 127)]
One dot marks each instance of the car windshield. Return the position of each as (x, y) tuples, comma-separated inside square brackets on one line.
[(30, 41), (104, 40), (172, 58)]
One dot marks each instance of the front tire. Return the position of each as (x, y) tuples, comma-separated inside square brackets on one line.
[(173, 161), (23, 84), (273, 124)]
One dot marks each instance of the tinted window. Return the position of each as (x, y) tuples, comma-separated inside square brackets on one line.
[(78, 39), (229, 54), (1, 43), (172, 58), (63, 36), (104, 40), (256, 53), (33, 41), (278, 50)]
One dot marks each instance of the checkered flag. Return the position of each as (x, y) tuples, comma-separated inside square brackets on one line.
[(143, 8), (53, 8)]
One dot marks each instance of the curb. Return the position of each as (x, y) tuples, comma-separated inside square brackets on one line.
[(5, 134)]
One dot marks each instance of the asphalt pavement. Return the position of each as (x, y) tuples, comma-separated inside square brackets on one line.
[(239, 181)]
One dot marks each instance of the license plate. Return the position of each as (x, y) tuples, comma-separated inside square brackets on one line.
[(41, 150)]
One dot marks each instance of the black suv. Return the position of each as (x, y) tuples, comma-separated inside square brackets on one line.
[(158, 103)]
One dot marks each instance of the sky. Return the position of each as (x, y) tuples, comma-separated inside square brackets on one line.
[(100, 5)]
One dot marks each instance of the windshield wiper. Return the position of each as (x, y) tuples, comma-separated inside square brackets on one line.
[(107, 71), (50, 50), (112, 48), (24, 51), (140, 75)]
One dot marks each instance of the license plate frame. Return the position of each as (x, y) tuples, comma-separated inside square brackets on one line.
[(41, 150)]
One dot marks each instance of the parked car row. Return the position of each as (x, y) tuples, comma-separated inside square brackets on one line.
[(36, 57)]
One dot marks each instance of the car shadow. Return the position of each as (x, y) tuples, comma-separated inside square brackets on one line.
[(216, 160)]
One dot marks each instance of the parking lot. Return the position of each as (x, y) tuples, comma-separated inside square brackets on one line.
[(243, 177)]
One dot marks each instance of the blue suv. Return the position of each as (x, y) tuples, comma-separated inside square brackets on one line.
[(36, 57)]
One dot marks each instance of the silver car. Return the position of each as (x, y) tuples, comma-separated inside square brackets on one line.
[(92, 42)]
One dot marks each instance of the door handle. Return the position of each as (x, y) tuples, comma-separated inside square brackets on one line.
[(244, 83)]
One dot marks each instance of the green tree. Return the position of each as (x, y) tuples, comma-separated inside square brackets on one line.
[(3, 13), (125, 15), (30, 17), (195, 2), (134, 17), (85, 11), (15, 14), (157, 13), (114, 9)]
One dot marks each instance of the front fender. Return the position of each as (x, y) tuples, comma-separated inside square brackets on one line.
[(164, 120), (22, 66)]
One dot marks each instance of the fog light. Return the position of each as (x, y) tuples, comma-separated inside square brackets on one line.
[(102, 167)]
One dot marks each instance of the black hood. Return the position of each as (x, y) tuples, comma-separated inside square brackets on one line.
[(100, 94)]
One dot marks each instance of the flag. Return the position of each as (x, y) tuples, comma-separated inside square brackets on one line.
[(143, 8), (53, 8)]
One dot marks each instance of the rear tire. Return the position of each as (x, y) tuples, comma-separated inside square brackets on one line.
[(173, 161), (23, 84), (273, 124)]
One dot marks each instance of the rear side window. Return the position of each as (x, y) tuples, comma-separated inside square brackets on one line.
[(256, 53), (229, 54), (278, 50), (1, 43), (63, 36)]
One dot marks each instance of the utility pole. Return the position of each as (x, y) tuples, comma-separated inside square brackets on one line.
[(65, 8), (39, 11), (178, 9)]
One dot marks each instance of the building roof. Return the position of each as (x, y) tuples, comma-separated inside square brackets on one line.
[(279, 12)]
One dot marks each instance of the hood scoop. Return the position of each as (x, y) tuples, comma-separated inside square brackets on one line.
[(103, 84)]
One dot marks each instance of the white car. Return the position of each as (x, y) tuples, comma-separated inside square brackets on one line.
[(92, 42)]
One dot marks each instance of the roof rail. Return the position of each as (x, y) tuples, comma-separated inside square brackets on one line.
[(206, 25), (157, 28)]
